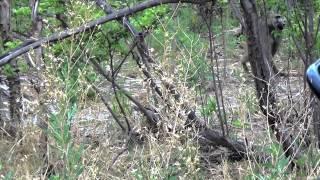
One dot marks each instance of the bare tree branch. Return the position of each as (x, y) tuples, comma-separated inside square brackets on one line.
[(207, 136), (106, 75), (89, 26), (105, 102), (140, 43)]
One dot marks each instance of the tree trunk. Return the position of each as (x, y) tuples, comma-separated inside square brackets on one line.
[(309, 43), (12, 94), (5, 20), (15, 100), (259, 51)]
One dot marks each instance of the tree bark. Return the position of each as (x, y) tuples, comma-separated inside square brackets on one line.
[(4, 87), (5, 20), (15, 99), (12, 94), (235, 8), (4, 106), (259, 50)]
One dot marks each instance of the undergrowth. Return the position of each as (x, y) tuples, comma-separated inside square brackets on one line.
[(84, 141)]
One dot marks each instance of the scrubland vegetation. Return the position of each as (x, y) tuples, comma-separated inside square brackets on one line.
[(155, 89)]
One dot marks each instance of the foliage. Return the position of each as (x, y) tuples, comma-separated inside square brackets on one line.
[(179, 35), (209, 108), (277, 168), (238, 123), (250, 101), (179, 43), (183, 161), (51, 7), (68, 152), (148, 19), (123, 100), (6, 175)]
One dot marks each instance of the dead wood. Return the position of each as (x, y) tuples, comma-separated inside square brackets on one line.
[(206, 136), (87, 27)]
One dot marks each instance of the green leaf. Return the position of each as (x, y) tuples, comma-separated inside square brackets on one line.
[(8, 176), (282, 163), (8, 70), (209, 108), (23, 66), (239, 124), (274, 149), (22, 11), (172, 178), (12, 44)]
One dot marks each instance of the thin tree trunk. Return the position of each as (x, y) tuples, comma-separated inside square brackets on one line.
[(15, 99), (12, 94), (4, 23), (37, 63)]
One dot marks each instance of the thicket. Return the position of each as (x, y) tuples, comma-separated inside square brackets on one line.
[(155, 94)]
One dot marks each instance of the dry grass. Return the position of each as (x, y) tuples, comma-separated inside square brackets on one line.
[(21, 157), (108, 154)]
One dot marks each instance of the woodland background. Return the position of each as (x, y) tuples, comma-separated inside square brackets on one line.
[(154, 89)]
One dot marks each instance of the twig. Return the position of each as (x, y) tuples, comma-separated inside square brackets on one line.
[(214, 75), (105, 102), (137, 103), (88, 26), (113, 76)]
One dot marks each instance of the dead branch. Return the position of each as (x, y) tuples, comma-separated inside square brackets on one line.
[(143, 110), (105, 102), (88, 26), (207, 136)]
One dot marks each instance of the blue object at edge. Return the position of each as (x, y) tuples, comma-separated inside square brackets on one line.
[(313, 77)]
